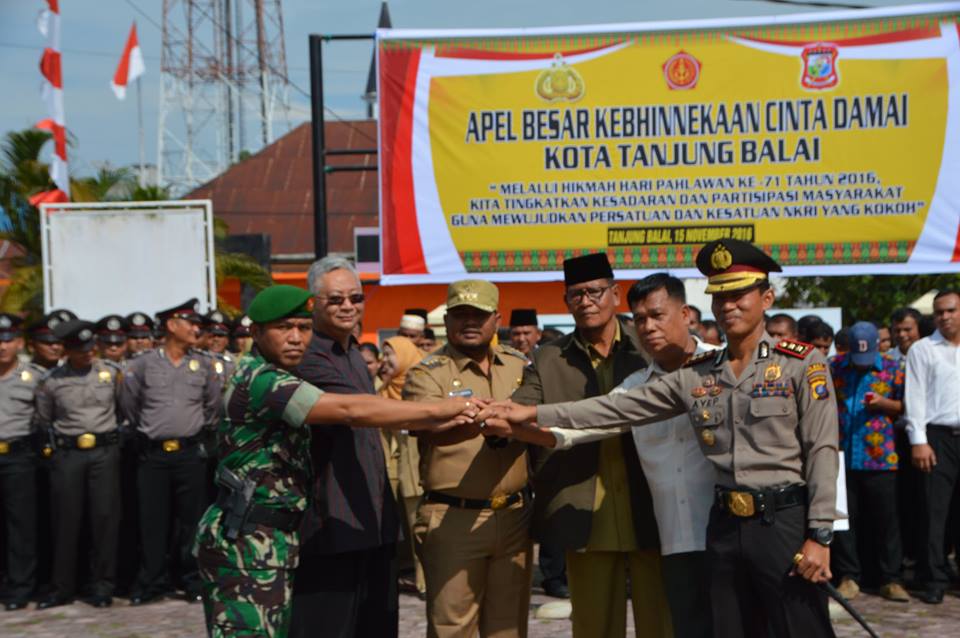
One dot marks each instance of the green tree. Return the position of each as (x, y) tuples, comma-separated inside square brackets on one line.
[(862, 297)]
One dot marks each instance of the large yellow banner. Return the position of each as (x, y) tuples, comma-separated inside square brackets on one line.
[(832, 144)]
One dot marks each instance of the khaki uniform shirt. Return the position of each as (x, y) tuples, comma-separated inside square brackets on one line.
[(469, 469), (168, 401), (774, 426), (74, 402), (16, 400)]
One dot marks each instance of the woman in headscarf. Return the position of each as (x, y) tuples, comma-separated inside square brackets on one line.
[(398, 355)]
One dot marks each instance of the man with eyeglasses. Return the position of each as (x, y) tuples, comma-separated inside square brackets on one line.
[(593, 501), (345, 584)]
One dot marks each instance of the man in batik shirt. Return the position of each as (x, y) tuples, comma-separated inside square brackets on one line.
[(248, 541), (869, 388)]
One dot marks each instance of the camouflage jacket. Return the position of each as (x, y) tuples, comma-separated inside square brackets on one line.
[(263, 437)]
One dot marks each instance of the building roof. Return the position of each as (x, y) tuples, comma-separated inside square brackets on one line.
[(272, 192)]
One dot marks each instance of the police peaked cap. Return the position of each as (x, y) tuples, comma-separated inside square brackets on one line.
[(215, 322), (9, 326), (732, 264), (188, 310), (139, 324), (76, 334)]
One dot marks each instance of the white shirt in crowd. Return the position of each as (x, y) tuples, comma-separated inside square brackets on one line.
[(932, 389), (681, 478)]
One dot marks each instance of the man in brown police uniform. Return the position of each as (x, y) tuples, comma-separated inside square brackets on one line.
[(764, 413), (592, 501), (472, 526)]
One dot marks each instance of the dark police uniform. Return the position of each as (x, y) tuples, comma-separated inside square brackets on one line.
[(78, 409), (18, 471), (170, 406), (772, 436)]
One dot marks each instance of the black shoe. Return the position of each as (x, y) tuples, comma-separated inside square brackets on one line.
[(556, 589), (931, 596), (53, 600), (143, 598), (101, 602), (14, 605)]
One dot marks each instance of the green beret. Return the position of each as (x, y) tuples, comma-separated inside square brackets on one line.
[(279, 302)]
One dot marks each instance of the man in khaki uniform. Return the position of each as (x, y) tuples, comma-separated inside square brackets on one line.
[(764, 413), (472, 527), (593, 501)]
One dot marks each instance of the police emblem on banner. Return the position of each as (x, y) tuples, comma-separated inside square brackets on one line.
[(560, 82), (819, 66), (681, 71)]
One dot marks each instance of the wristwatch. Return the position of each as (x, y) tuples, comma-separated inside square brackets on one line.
[(822, 535)]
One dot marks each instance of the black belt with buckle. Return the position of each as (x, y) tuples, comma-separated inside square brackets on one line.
[(750, 503), (15, 446), (283, 520), (495, 503), (173, 444), (87, 440), (948, 429)]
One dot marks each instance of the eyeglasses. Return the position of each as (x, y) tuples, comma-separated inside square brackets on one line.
[(593, 294), (338, 300)]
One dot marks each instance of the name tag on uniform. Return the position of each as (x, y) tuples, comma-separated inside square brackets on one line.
[(465, 393)]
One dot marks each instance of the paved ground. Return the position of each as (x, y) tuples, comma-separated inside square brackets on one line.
[(177, 619)]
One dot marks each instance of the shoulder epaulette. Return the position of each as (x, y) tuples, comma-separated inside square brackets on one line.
[(112, 364), (434, 361), (514, 352), (797, 349), (700, 358)]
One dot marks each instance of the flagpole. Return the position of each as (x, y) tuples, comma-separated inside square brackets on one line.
[(142, 178)]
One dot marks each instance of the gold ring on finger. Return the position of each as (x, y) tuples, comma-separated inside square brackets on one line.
[(797, 558)]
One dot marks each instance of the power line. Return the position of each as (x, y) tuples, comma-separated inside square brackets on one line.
[(102, 54)]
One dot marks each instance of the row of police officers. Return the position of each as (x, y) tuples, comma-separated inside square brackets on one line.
[(101, 414)]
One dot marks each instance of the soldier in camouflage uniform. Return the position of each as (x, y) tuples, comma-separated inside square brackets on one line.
[(248, 541)]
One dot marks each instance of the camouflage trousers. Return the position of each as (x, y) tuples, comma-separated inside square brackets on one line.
[(246, 603)]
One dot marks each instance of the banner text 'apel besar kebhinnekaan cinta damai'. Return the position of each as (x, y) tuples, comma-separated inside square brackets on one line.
[(831, 140)]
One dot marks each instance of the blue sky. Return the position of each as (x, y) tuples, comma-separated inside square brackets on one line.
[(94, 32)]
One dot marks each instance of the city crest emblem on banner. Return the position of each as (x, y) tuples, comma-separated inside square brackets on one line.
[(560, 82), (819, 66), (681, 71)]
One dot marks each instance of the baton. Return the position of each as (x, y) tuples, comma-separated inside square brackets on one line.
[(843, 602)]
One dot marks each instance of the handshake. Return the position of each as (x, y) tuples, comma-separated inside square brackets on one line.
[(493, 419)]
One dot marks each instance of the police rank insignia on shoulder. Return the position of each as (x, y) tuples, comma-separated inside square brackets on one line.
[(434, 361), (797, 349)]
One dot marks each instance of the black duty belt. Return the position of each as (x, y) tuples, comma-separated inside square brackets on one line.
[(87, 440), (947, 429), (283, 520), (495, 503), (172, 444), (750, 503), (14, 446)]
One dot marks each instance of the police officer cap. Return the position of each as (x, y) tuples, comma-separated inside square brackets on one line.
[(139, 324), (476, 293), (42, 329), (215, 322), (9, 326), (63, 314), (279, 302), (76, 334), (523, 317), (112, 329), (187, 310), (241, 326), (419, 312), (577, 270), (731, 264)]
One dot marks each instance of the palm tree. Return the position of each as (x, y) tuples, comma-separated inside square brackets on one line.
[(23, 174)]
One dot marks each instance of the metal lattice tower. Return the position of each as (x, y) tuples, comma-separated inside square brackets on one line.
[(223, 89)]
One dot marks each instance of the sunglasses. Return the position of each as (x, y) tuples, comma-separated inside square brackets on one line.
[(338, 300)]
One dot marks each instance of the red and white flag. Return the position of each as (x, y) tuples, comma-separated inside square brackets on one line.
[(52, 91), (131, 65)]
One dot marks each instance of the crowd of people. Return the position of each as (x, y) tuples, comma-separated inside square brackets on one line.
[(109, 450)]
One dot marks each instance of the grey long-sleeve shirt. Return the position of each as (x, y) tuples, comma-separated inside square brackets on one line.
[(168, 401)]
